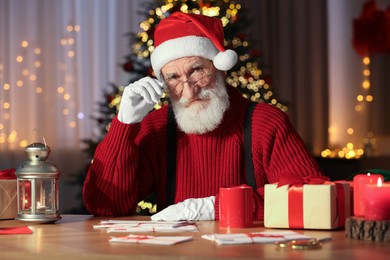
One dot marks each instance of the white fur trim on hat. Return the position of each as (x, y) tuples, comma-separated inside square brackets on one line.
[(181, 47)]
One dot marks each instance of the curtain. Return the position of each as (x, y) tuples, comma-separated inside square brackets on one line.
[(292, 37), (380, 80), (56, 59)]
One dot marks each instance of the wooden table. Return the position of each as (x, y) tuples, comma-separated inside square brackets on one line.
[(73, 237)]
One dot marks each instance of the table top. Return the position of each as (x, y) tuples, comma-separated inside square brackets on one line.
[(74, 237)]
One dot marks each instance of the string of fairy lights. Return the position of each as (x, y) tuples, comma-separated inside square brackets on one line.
[(29, 66), (368, 144)]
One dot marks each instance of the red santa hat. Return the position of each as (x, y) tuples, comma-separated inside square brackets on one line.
[(182, 35)]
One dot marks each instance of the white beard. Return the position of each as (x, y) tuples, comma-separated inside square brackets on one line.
[(200, 118)]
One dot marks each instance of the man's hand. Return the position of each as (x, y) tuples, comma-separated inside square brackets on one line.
[(189, 209), (138, 99)]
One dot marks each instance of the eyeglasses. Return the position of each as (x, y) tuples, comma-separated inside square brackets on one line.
[(200, 78)]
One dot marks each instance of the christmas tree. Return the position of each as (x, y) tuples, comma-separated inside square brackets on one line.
[(246, 75)]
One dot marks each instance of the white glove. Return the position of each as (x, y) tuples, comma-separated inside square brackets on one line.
[(138, 99), (189, 209)]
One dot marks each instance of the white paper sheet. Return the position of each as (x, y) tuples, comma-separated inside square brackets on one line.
[(255, 237), (155, 240)]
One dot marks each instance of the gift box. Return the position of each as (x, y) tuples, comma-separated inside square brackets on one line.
[(307, 204), (8, 194)]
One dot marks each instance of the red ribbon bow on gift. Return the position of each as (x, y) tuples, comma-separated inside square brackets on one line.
[(293, 180), (8, 174)]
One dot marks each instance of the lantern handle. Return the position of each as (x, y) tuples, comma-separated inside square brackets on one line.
[(44, 140)]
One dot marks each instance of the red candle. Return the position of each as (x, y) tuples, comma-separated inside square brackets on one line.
[(377, 201), (359, 183)]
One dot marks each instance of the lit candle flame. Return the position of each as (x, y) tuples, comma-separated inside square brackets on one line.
[(379, 183)]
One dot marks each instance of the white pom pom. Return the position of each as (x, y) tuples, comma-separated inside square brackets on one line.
[(225, 60)]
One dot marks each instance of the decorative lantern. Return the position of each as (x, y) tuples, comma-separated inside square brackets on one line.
[(37, 179)]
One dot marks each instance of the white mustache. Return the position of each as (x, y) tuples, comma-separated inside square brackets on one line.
[(202, 95)]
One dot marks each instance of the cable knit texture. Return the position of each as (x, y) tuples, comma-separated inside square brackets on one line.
[(131, 161)]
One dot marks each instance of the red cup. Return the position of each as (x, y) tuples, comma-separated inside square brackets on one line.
[(236, 207)]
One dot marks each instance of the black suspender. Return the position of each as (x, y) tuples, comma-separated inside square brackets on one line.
[(171, 152), (171, 157), (250, 177)]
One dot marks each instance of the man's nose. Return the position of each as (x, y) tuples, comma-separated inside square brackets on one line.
[(189, 90)]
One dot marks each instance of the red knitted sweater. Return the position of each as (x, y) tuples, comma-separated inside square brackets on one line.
[(131, 161)]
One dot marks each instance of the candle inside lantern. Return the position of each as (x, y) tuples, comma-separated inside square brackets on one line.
[(359, 183), (377, 201), (40, 208)]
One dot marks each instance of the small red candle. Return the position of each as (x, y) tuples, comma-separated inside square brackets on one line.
[(377, 202), (359, 183)]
